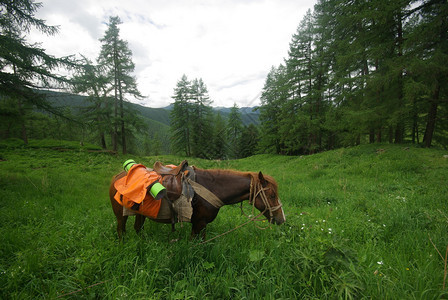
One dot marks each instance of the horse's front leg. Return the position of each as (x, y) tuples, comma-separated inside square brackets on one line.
[(139, 221), (198, 228)]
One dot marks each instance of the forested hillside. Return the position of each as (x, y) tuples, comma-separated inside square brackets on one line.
[(71, 122), (360, 72), (356, 72)]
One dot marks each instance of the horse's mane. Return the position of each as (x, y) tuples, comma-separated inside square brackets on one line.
[(253, 175)]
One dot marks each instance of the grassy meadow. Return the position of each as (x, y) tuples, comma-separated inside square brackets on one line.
[(368, 222)]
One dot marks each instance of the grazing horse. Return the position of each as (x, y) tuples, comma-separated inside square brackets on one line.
[(229, 187)]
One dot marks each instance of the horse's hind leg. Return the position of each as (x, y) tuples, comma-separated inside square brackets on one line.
[(121, 220), (139, 221), (121, 226)]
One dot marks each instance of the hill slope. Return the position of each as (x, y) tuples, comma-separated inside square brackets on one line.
[(360, 224), (162, 115)]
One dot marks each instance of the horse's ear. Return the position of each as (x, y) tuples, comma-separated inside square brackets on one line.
[(263, 181)]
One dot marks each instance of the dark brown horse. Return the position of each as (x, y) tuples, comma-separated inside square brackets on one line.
[(229, 186)]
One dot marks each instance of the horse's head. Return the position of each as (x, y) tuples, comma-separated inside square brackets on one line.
[(264, 196)]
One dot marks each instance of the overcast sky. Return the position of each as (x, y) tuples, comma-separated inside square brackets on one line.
[(230, 44)]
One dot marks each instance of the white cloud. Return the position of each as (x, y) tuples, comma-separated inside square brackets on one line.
[(231, 45)]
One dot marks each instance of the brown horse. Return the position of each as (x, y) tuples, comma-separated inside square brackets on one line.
[(229, 186)]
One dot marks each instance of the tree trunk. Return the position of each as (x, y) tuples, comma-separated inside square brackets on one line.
[(391, 135), (378, 135), (414, 121), (103, 141), (372, 136), (115, 134), (22, 121), (432, 115), (399, 130), (123, 133)]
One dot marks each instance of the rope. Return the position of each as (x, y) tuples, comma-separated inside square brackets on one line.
[(80, 290), (253, 194), (239, 226)]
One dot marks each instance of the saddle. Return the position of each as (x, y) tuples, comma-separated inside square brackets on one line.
[(181, 207), (160, 169)]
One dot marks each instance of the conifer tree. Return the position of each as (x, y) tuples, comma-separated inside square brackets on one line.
[(25, 68), (92, 80), (234, 131), (181, 117), (116, 57), (428, 44), (201, 130), (272, 98), (219, 142), (248, 142), (357, 72)]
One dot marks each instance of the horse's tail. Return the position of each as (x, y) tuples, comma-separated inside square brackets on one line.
[(112, 189)]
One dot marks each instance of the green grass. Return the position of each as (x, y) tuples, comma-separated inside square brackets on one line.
[(359, 226)]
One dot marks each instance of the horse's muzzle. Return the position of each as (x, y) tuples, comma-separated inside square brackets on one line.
[(279, 217)]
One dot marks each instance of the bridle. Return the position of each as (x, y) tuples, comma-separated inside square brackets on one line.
[(258, 190), (255, 191)]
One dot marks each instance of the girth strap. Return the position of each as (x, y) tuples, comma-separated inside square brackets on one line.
[(206, 194)]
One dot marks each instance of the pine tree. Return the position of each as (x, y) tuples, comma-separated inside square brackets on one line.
[(248, 142), (273, 97), (301, 127), (26, 68), (428, 69), (219, 142), (92, 81), (116, 57), (234, 131), (360, 71), (181, 117), (201, 131)]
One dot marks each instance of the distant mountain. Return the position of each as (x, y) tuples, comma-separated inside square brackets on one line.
[(157, 114), (157, 119), (76, 102), (249, 115)]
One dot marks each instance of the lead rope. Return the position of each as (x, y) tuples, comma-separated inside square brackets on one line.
[(252, 196), (267, 206), (254, 219)]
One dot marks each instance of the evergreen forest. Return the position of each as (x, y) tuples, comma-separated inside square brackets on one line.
[(356, 72), (360, 72)]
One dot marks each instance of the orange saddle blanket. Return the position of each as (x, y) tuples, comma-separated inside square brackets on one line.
[(132, 191)]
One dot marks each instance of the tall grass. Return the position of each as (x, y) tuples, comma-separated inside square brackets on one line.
[(359, 225)]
